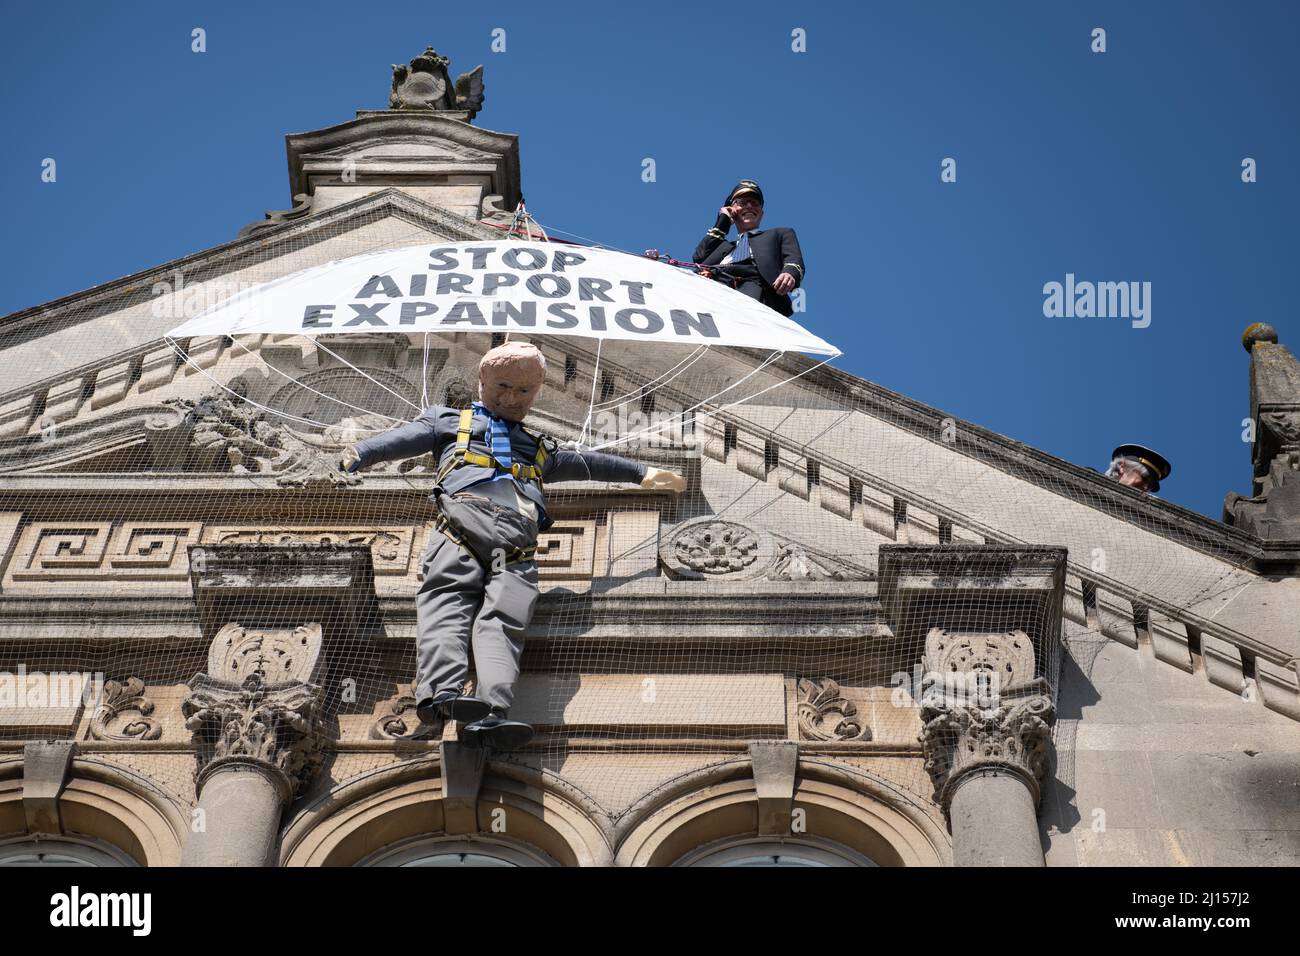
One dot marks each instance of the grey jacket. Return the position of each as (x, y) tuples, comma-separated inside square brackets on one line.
[(435, 431)]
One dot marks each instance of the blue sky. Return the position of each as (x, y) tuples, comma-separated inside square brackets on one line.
[(1122, 166)]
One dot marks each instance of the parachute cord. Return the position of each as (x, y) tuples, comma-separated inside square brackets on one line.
[(360, 372), (266, 408), (654, 429), (595, 374), (654, 384), (308, 388)]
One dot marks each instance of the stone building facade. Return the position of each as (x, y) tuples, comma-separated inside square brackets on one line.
[(251, 608)]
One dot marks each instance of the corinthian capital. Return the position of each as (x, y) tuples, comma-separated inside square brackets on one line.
[(275, 728), (982, 709)]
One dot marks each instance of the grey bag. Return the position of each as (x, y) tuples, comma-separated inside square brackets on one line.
[(492, 532)]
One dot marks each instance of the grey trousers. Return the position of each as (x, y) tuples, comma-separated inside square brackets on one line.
[(460, 601)]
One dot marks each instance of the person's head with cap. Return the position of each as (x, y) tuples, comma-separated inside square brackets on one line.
[(745, 202), (1138, 467), (510, 378)]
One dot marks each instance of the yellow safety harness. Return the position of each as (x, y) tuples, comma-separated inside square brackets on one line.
[(461, 455)]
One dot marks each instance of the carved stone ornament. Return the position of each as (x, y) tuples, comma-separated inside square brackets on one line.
[(426, 85), (710, 547), (275, 656), (1006, 657), (114, 721), (717, 548), (794, 562), (982, 707), (224, 434), (276, 728), (825, 714), (1284, 426), (397, 721), (960, 737), (274, 217)]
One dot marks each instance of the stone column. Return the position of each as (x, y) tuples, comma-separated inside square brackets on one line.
[(256, 711), (258, 741), (986, 736), (987, 620)]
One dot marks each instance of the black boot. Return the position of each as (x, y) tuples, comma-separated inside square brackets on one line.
[(497, 732), (450, 705)]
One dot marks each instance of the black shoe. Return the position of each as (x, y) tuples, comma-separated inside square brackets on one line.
[(497, 732), (450, 705)]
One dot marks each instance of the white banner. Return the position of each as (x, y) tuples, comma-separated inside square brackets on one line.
[(533, 288)]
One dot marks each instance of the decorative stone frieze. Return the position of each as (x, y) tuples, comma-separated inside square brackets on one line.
[(709, 548)]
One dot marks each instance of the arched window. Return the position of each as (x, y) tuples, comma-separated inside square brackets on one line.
[(452, 851), (806, 851), (61, 851)]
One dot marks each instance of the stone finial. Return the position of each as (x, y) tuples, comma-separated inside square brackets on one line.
[(1272, 513), (1258, 332), (425, 84)]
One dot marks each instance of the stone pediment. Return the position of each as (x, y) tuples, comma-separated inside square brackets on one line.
[(95, 391), (312, 155)]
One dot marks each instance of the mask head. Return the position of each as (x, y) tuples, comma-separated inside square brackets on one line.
[(510, 378)]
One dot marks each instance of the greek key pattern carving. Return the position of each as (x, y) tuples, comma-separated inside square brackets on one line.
[(567, 550), (70, 551)]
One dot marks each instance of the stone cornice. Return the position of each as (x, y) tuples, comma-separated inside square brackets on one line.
[(1028, 464)]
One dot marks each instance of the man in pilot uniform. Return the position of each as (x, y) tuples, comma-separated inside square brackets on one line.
[(479, 573), (765, 264), (1138, 467)]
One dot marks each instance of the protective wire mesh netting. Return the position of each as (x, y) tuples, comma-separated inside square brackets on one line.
[(176, 507)]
